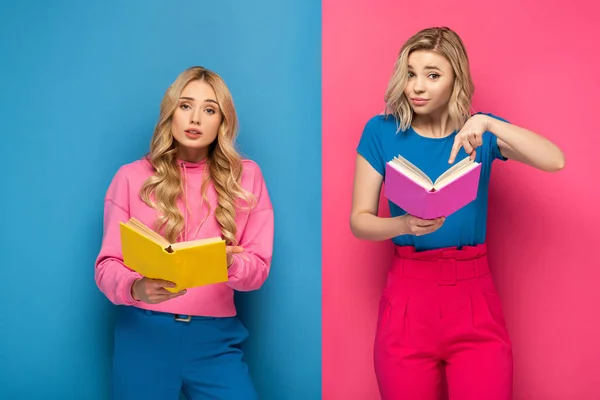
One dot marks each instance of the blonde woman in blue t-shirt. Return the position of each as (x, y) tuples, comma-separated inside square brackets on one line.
[(439, 306)]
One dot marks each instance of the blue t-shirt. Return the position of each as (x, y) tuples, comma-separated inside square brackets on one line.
[(380, 143)]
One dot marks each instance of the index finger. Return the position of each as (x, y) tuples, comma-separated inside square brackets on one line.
[(455, 149)]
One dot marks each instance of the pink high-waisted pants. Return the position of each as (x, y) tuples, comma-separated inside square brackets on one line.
[(440, 309)]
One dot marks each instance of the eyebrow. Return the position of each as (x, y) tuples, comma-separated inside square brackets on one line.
[(427, 67), (205, 100)]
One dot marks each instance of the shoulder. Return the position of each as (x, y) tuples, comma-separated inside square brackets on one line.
[(131, 173), (378, 131), (137, 167), (252, 175), (382, 123), (250, 167), (253, 182)]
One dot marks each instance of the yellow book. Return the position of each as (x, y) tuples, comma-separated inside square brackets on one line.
[(187, 264)]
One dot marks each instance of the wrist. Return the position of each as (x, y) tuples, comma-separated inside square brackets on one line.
[(401, 224), (132, 290), (490, 124)]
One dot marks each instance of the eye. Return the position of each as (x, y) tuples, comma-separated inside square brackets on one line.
[(411, 74), (434, 76), (210, 111), (185, 106)]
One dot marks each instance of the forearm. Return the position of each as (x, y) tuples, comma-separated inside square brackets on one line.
[(250, 268), (367, 226), (115, 281), (113, 278), (248, 272), (526, 146)]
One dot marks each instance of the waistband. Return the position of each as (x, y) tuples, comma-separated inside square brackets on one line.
[(176, 317), (445, 265)]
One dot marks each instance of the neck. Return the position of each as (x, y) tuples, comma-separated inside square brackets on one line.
[(435, 125), (192, 155)]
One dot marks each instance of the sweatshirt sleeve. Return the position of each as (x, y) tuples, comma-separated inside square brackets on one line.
[(113, 278), (250, 269)]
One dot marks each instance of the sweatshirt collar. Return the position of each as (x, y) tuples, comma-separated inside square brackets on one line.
[(191, 164)]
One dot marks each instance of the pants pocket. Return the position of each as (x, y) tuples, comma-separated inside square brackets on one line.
[(494, 306), (391, 321), (488, 314)]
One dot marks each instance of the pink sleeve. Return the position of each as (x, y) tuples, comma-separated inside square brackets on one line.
[(250, 269), (113, 278)]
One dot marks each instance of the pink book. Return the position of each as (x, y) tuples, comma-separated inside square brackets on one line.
[(412, 190)]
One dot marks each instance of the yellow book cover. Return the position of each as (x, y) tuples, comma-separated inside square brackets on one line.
[(187, 264)]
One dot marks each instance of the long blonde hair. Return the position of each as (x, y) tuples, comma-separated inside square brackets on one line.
[(447, 43), (224, 164)]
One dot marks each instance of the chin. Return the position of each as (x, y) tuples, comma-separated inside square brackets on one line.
[(196, 144), (193, 143), (421, 111), (426, 110)]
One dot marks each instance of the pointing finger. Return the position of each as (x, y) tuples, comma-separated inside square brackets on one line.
[(455, 149)]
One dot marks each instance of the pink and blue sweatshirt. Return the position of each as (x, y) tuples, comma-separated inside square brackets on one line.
[(254, 233)]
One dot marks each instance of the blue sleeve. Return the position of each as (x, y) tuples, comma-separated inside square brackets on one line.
[(370, 145), (492, 142)]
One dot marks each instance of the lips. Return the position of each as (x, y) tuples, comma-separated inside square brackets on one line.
[(417, 101), (193, 133)]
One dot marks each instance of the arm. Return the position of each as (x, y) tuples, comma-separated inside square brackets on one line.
[(364, 222), (112, 277), (525, 146), (250, 268)]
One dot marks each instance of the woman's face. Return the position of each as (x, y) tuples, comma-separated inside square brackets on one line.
[(196, 121), (430, 82)]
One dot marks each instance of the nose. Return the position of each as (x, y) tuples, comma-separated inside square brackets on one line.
[(195, 117), (418, 85)]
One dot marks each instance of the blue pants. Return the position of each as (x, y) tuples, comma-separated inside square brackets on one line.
[(158, 357)]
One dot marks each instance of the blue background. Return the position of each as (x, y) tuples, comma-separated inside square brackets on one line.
[(81, 84)]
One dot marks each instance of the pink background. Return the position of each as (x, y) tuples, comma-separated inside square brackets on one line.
[(535, 64)]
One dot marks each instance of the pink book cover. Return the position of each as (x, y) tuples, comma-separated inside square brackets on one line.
[(424, 204)]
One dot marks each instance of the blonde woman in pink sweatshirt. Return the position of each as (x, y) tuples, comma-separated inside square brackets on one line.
[(192, 184)]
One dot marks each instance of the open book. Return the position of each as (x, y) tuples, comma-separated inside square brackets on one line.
[(412, 190), (187, 264)]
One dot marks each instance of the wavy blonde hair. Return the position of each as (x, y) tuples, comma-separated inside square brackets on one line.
[(447, 43), (224, 164)]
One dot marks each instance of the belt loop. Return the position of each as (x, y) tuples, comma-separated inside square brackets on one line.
[(447, 272), (483, 268), (401, 268)]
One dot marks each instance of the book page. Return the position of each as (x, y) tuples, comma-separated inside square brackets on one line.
[(404, 166), (143, 230), (411, 175), (452, 170), (454, 173), (195, 243), (399, 160)]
